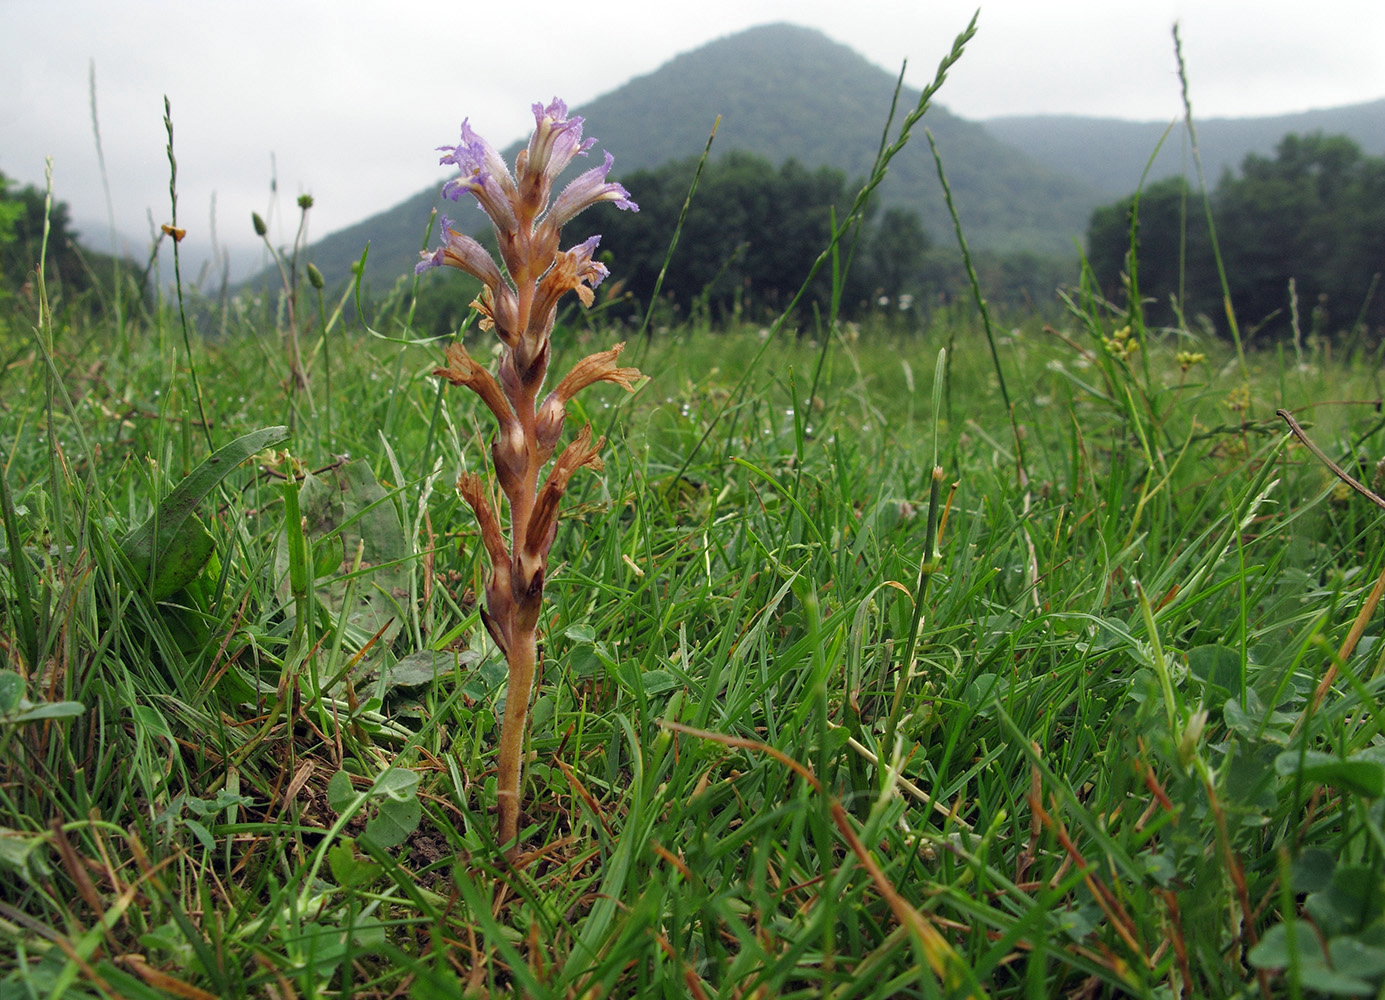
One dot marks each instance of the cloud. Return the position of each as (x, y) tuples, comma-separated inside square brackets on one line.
[(346, 100)]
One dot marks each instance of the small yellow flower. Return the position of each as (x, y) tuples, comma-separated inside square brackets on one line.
[(1120, 345)]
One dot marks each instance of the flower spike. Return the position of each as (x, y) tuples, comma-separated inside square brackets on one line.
[(520, 303)]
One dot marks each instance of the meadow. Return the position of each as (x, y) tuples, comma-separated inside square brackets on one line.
[(1032, 658)]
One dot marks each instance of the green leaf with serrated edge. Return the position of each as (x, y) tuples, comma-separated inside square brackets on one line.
[(172, 541), (350, 870), (395, 821)]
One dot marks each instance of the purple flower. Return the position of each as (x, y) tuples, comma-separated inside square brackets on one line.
[(585, 190), (572, 271), (528, 228), (462, 252), (556, 140), (483, 174), (428, 261)]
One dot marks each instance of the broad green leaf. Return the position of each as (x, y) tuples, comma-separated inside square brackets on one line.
[(395, 821), (173, 541), (345, 510), (984, 687), (11, 691), (580, 633), (1354, 900), (182, 553), (340, 793), (23, 853), (422, 668), (435, 983), (659, 681), (203, 835), (1273, 951), (1365, 777), (1325, 980), (48, 710), (397, 783), (1250, 778), (1216, 666), (1354, 958), (1255, 720), (327, 559), (1312, 871), (150, 719)]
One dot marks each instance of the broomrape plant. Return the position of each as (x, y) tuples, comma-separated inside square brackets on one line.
[(521, 309)]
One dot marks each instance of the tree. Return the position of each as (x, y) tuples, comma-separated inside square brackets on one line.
[(894, 258), (1314, 213), (71, 271), (1173, 265), (749, 240)]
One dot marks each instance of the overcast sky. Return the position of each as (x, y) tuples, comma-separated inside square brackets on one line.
[(346, 99)]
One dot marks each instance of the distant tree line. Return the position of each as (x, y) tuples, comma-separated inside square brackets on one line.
[(753, 232), (751, 235), (74, 276), (749, 239), (1313, 213)]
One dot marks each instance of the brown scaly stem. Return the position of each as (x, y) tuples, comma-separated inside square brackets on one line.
[(522, 311), (522, 661)]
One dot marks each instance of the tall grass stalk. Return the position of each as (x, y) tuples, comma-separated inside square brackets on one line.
[(122, 333), (851, 218), (1227, 305), (176, 235)]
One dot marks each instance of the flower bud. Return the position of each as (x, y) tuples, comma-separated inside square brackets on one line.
[(260, 227), (549, 424), (305, 201), (511, 447), (1192, 733), (315, 277)]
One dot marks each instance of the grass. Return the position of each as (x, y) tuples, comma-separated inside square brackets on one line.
[(813, 719), (1110, 772)]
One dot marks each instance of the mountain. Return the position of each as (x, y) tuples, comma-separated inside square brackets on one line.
[(783, 91), (1019, 183), (1109, 155)]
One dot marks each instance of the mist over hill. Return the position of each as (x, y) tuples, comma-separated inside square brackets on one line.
[(1110, 155), (782, 91)]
